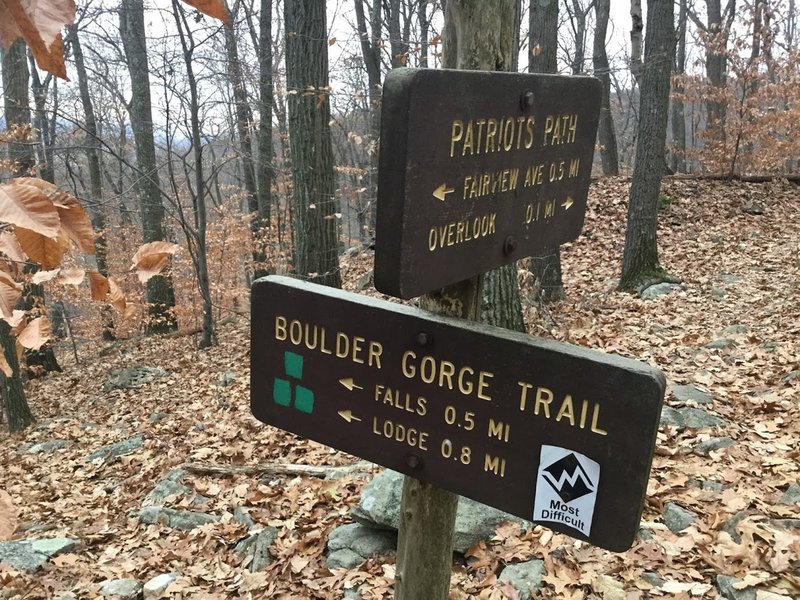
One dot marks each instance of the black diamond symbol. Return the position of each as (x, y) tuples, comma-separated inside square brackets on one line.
[(568, 478)]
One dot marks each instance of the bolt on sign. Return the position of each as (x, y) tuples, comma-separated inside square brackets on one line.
[(547, 431), (478, 169)]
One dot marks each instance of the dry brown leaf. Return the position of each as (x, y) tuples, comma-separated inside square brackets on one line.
[(72, 276), (39, 24), (212, 8), (42, 276), (10, 246), (8, 516), (35, 334), (25, 205), (8, 372), (45, 251), (99, 285), (10, 291), (117, 297), (16, 318), (151, 258)]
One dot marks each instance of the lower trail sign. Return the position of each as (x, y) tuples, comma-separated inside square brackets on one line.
[(547, 431)]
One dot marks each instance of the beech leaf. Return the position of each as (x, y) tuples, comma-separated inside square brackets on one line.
[(152, 258), (42, 276), (72, 276), (99, 286), (10, 246), (212, 8), (117, 297), (8, 514), (8, 372), (45, 251), (39, 24), (35, 334), (27, 206), (10, 291)]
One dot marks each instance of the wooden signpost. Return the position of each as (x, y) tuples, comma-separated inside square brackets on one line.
[(477, 170), (550, 432)]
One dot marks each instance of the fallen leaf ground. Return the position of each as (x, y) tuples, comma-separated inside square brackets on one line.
[(736, 269)]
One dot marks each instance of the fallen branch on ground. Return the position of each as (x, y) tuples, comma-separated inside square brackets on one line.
[(278, 469)]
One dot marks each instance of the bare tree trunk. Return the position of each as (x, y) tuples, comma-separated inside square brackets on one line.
[(11, 390), (316, 225), (264, 171), (45, 142), (95, 203), (370, 50), (607, 138), (678, 117), (544, 35), (160, 294), (17, 107), (198, 248), (424, 26), (640, 266), (637, 26)]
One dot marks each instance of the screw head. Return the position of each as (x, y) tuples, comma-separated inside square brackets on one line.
[(413, 461), (424, 338), (509, 245), (526, 100)]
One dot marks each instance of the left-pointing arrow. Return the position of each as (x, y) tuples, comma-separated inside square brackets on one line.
[(567, 203), (350, 384), (442, 191), (348, 416)]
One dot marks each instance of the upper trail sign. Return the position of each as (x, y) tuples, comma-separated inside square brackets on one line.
[(478, 169), (550, 432)]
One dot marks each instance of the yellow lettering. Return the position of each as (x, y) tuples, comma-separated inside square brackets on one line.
[(595, 417), (567, 409), (543, 399), (409, 370), (280, 328)]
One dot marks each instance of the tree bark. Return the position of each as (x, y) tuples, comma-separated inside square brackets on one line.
[(11, 390), (45, 140), (316, 225), (637, 25), (477, 35), (544, 35), (94, 204), (607, 138), (160, 294), (640, 266), (264, 170), (678, 116), (17, 106)]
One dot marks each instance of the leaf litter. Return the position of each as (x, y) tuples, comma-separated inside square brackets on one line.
[(740, 277)]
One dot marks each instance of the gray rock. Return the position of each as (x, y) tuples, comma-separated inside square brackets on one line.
[(769, 346), (791, 495), (157, 585), (677, 518), (728, 279), (730, 526), (131, 377), (48, 447), (691, 418), (707, 484), (690, 392), (791, 377), (241, 516), (29, 555), (257, 545), (525, 577), (171, 486), (344, 559), (660, 289), (712, 445), (227, 378), (380, 507), (127, 589), (753, 208), (718, 293), (653, 579), (112, 451), (364, 541), (720, 344), (157, 416), (736, 329), (177, 519), (725, 586), (787, 523)]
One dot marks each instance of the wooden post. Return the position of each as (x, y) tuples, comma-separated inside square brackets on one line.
[(428, 513)]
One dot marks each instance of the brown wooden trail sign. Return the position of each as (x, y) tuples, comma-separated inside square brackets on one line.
[(547, 431), (477, 170)]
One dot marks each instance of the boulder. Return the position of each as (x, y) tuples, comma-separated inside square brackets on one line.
[(691, 418), (112, 451), (351, 544), (705, 448), (659, 289), (131, 377), (47, 447), (125, 589), (156, 586), (725, 585), (257, 546), (380, 508), (526, 577), (791, 495), (30, 555), (177, 519), (690, 393), (677, 518), (171, 485)]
